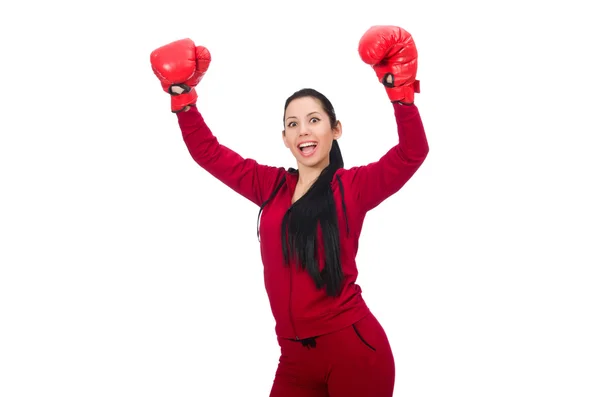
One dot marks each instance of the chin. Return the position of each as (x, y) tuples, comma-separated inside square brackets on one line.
[(313, 162)]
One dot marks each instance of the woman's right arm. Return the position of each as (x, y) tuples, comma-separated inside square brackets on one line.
[(245, 176)]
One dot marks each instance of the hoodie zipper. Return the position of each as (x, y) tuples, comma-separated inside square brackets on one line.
[(292, 187), (290, 305)]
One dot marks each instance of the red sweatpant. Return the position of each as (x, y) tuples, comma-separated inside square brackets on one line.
[(356, 361)]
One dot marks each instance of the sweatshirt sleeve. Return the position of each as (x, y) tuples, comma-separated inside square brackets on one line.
[(371, 184), (244, 175)]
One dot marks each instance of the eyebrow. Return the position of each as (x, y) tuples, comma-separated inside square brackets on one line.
[(294, 117)]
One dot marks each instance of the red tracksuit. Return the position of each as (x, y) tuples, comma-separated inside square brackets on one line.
[(351, 356)]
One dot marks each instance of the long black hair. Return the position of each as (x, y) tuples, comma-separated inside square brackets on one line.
[(316, 209)]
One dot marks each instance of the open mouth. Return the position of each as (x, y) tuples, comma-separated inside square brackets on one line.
[(307, 148)]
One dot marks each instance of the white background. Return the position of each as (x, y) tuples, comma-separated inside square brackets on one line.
[(122, 275)]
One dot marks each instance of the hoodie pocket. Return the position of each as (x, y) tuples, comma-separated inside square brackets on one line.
[(362, 339)]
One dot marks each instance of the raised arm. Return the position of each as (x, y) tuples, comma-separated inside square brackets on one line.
[(392, 53), (245, 176), (373, 183), (180, 66)]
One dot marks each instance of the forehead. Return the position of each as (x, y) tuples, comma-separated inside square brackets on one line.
[(302, 106)]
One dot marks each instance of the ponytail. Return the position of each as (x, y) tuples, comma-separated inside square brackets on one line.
[(335, 156)]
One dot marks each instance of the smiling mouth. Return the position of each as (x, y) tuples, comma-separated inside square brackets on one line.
[(307, 148)]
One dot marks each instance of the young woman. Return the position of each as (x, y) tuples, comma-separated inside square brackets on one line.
[(310, 218)]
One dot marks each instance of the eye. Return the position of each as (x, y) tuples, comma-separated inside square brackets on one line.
[(314, 119), (292, 124)]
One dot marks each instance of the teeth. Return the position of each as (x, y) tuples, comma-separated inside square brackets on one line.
[(302, 145)]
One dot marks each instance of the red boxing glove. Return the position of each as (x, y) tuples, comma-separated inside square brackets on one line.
[(180, 66), (392, 53)]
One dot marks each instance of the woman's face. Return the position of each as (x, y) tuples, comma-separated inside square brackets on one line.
[(308, 133)]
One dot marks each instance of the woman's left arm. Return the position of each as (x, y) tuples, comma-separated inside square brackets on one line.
[(373, 183)]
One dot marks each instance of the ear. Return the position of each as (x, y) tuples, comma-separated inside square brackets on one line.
[(337, 130), (285, 142)]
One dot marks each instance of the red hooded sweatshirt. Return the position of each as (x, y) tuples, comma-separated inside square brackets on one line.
[(299, 308)]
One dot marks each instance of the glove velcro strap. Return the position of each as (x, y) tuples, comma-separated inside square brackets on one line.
[(179, 102), (417, 86), (404, 93)]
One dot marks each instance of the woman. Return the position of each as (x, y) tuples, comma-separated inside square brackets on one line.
[(310, 218)]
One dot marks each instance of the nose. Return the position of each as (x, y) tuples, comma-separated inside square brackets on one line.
[(304, 130)]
